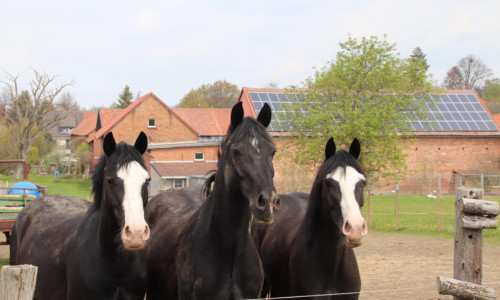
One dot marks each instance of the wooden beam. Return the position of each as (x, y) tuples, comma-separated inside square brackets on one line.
[(479, 222), (464, 290), (480, 207)]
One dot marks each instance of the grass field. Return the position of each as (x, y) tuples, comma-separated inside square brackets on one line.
[(418, 216), (69, 186), (417, 212)]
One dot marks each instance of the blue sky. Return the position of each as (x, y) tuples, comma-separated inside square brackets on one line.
[(170, 47)]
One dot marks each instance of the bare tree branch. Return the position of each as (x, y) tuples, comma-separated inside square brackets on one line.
[(29, 113)]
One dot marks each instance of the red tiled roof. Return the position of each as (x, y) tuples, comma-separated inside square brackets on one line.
[(107, 115), (182, 169), (496, 118), (206, 121), (87, 125)]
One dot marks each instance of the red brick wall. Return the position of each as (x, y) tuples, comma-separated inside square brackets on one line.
[(427, 156), (181, 154)]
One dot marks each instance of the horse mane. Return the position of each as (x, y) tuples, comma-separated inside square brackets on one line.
[(248, 128), (122, 155)]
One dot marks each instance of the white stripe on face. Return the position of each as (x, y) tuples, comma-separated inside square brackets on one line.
[(347, 181), (255, 144), (133, 176)]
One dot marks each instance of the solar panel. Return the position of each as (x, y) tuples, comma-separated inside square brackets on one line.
[(450, 112)]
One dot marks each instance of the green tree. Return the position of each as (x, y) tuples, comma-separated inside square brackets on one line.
[(491, 90), (125, 98), (218, 94), (419, 58), (33, 112), (194, 98), (366, 92)]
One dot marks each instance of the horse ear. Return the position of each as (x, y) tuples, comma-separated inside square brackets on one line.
[(236, 114), (109, 144), (330, 148), (141, 144), (355, 148), (264, 116)]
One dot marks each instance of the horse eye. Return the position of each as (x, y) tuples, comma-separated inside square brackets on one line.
[(235, 152), (274, 153), (148, 180)]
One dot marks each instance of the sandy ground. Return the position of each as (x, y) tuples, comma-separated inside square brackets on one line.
[(393, 261)]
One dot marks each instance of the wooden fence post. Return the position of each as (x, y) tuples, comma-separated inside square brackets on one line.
[(471, 216), (18, 282), (397, 206), (438, 203)]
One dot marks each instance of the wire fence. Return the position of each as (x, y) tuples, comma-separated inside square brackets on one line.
[(382, 291)]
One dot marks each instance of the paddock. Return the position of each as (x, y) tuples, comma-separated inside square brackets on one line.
[(407, 266), (399, 266)]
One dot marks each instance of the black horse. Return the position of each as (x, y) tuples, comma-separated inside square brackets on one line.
[(307, 250), (204, 250), (85, 250)]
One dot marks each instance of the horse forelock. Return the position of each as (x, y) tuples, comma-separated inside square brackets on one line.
[(123, 155)]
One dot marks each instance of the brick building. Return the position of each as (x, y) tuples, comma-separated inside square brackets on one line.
[(469, 149), (183, 142), (183, 145)]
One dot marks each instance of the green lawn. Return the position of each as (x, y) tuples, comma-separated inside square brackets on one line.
[(70, 186), (418, 216)]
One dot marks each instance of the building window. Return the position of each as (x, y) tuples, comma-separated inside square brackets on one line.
[(178, 183), (199, 156), (151, 123), (65, 129)]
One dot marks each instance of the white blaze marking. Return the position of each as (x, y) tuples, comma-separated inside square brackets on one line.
[(347, 181), (133, 176), (255, 144)]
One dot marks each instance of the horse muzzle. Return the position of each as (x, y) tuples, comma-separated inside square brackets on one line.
[(135, 238)]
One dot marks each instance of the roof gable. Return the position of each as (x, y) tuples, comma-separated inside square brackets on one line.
[(107, 126), (87, 125)]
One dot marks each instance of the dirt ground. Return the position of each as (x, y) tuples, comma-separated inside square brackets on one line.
[(393, 261), (413, 263)]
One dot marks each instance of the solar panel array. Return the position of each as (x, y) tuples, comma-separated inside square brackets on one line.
[(449, 112)]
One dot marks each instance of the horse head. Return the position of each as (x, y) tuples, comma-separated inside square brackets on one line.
[(125, 188), (343, 180), (248, 151)]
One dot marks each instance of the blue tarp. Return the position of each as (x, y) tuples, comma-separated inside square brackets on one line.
[(27, 185)]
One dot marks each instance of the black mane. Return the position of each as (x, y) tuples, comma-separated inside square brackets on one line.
[(123, 154), (246, 130)]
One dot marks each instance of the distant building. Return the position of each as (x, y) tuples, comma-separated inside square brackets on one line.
[(60, 133)]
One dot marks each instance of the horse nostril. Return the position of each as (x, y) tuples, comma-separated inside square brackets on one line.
[(127, 231), (262, 202), (277, 202)]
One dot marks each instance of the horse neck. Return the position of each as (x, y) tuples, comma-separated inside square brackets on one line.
[(229, 210), (107, 227), (318, 224)]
